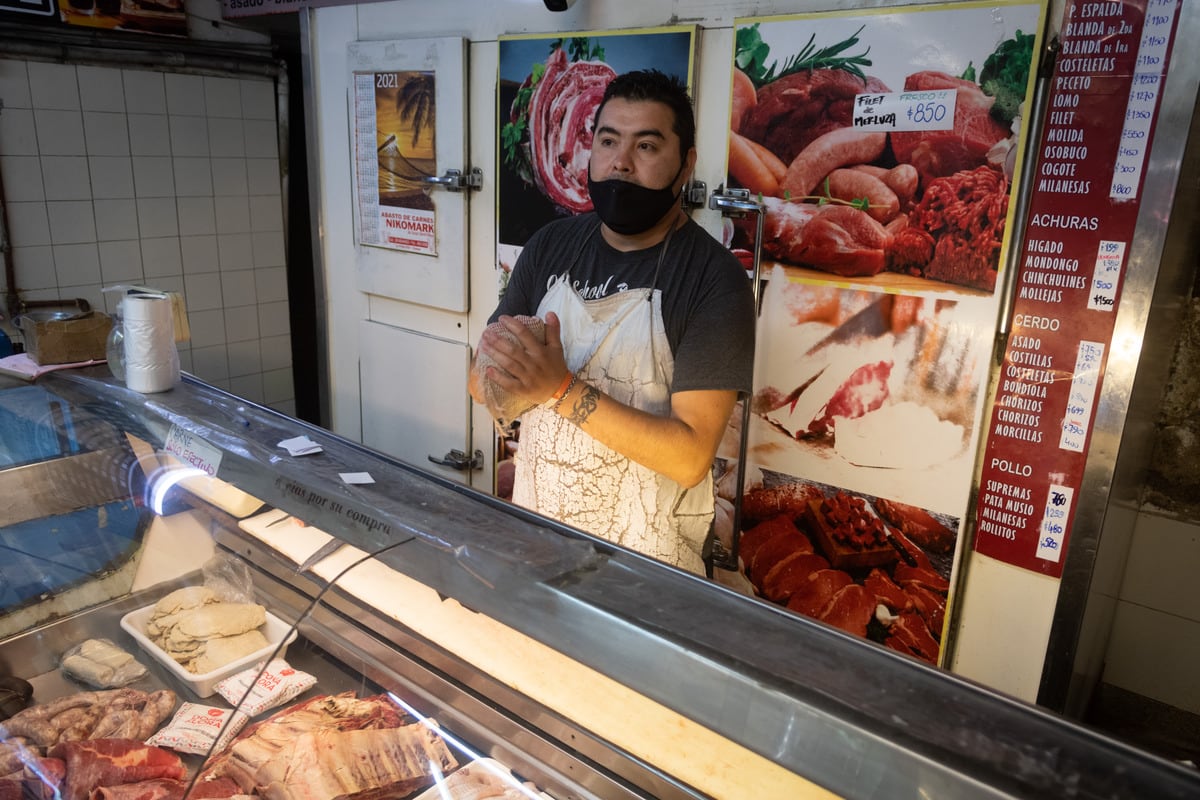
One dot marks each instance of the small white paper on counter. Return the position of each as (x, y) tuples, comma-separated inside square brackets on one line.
[(356, 477), (300, 446)]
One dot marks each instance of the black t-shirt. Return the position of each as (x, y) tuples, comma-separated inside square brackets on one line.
[(707, 302)]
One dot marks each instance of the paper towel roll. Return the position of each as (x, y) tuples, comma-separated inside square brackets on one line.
[(151, 359)]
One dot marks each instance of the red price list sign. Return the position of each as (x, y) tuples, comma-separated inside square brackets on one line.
[(1103, 103)]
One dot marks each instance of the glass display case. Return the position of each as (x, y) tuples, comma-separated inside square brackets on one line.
[(309, 618)]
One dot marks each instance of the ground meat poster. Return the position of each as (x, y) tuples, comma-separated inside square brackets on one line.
[(884, 146), (1102, 106), (394, 114), (549, 89), (146, 16)]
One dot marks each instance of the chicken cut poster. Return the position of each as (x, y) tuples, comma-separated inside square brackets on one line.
[(549, 90), (395, 114), (885, 147)]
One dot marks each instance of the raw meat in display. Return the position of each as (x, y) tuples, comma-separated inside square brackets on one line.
[(917, 524), (850, 608), (774, 549), (840, 563), (936, 154), (886, 591), (36, 777), (792, 111), (203, 633), (850, 536), (955, 232), (144, 790), (909, 634), (844, 147), (753, 538), (838, 239), (263, 759), (788, 499), (852, 382), (561, 112), (78, 716), (929, 604), (811, 596), (111, 762), (781, 580), (360, 763), (865, 390), (921, 576)]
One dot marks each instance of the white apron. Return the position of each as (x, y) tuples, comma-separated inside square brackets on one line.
[(618, 344)]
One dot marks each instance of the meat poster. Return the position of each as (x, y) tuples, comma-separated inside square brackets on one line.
[(884, 146), (1102, 108), (549, 89), (394, 115), (163, 17)]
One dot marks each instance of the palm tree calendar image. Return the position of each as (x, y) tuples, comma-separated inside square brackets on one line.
[(396, 207)]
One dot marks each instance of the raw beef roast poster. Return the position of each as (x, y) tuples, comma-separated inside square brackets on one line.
[(549, 89), (885, 147)]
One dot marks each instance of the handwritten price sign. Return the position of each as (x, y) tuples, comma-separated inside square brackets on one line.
[(1150, 65), (1109, 260), (1054, 522), (906, 111), (1083, 395)]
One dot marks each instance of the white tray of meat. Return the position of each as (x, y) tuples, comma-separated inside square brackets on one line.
[(483, 777), (204, 684)]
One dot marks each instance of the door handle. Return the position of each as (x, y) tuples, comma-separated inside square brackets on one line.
[(455, 181), (457, 459)]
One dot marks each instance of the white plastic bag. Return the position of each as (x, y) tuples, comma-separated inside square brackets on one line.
[(100, 663)]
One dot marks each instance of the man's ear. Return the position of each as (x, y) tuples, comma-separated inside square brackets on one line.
[(689, 164)]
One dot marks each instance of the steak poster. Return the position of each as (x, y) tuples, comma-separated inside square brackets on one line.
[(549, 90), (884, 146), (164, 17)]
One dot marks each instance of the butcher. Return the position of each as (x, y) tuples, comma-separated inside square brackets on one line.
[(648, 339)]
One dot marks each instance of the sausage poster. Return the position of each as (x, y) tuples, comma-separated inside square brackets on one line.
[(549, 90), (885, 146)]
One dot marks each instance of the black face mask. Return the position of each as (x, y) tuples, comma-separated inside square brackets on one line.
[(628, 208)]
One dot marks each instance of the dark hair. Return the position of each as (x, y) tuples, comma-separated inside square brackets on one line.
[(657, 86)]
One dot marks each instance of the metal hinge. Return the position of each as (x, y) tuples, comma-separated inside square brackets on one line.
[(455, 181), (694, 193)]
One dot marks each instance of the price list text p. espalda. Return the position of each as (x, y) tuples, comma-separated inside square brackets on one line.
[(1101, 108)]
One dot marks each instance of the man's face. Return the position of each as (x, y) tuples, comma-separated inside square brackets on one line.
[(634, 141)]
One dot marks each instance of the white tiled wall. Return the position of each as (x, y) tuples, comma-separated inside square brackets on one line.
[(162, 179), (1154, 649)]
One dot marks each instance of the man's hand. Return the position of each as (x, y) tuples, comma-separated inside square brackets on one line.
[(527, 368), (681, 445)]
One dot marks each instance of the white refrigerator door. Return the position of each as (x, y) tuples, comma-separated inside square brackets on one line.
[(377, 71), (415, 403)]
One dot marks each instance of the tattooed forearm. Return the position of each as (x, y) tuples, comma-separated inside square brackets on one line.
[(589, 398)]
